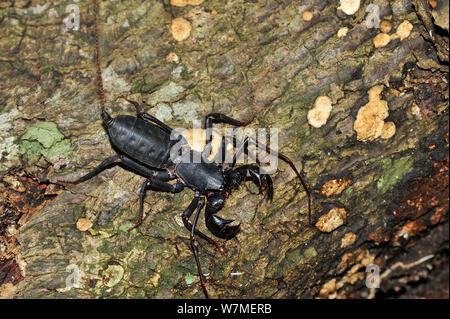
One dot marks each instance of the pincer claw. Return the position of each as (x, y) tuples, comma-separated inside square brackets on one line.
[(218, 226)]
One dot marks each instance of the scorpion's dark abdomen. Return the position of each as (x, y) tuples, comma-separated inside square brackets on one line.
[(141, 140)]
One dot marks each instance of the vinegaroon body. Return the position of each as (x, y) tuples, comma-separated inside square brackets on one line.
[(144, 144)]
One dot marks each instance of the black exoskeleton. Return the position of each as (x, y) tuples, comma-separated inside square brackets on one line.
[(144, 143)]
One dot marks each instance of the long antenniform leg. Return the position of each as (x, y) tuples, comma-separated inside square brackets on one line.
[(198, 202), (147, 116), (221, 118), (97, 51), (286, 159), (219, 226)]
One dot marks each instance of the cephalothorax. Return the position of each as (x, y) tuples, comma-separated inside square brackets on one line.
[(144, 143)]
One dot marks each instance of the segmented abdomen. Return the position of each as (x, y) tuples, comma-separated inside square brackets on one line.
[(141, 140)]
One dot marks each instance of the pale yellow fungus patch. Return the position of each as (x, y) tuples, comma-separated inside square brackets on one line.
[(331, 220), (349, 7), (84, 224), (318, 115), (381, 40), (348, 239), (369, 123), (342, 32), (183, 3), (307, 15), (178, 3), (195, 2), (180, 29), (172, 57), (385, 26), (388, 130), (334, 186), (403, 31)]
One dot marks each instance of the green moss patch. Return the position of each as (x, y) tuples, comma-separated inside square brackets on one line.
[(393, 171), (43, 138), (112, 275)]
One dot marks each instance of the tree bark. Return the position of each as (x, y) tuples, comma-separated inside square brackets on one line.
[(379, 202)]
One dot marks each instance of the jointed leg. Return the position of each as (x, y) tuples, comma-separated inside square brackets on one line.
[(242, 149), (157, 185), (147, 116), (113, 160), (291, 164), (221, 118), (188, 213), (128, 163), (141, 204), (250, 173), (156, 180), (194, 247)]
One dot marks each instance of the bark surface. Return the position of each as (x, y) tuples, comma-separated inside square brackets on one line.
[(380, 194)]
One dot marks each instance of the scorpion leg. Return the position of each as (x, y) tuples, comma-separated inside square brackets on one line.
[(155, 179), (185, 217), (221, 118), (147, 116), (128, 163), (291, 164), (156, 185), (113, 160), (244, 148), (201, 203), (250, 173), (219, 226), (141, 204)]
